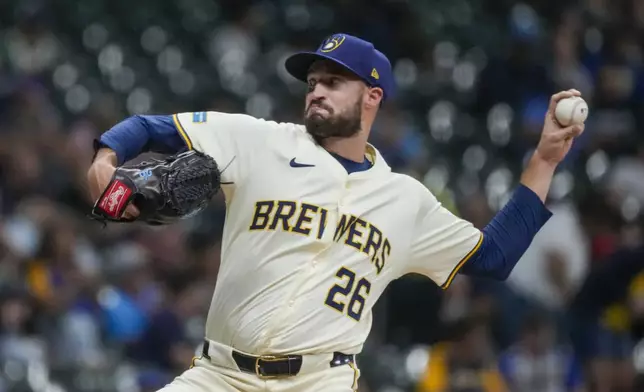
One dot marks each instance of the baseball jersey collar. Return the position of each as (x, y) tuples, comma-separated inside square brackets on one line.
[(379, 167)]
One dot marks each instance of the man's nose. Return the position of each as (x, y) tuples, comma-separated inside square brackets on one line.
[(315, 97)]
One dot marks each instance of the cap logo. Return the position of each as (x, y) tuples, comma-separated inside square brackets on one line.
[(374, 74), (332, 43)]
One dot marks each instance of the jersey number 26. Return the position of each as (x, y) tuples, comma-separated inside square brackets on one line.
[(356, 303)]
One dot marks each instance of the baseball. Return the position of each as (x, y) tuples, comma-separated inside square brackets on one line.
[(571, 111)]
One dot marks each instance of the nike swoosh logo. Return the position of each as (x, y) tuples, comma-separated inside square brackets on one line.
[(295, 164)]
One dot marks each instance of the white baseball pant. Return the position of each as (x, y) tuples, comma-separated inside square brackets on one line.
[(221, 373)]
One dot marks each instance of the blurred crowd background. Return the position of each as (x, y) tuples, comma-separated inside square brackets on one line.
[(92, 309)]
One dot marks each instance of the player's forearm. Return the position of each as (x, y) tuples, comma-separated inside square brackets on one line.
[(538, 176), (508, 235), (138, 134)]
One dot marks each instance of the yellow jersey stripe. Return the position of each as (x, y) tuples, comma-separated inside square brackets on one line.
[(370, 154), (182, 131), (461, 263), (355, 376)]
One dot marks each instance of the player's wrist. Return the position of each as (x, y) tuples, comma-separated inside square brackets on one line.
[(542, 163), (106, 155), (538, 175)]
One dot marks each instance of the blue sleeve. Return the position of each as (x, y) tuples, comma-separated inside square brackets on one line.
[(138, 134), (508, 236)]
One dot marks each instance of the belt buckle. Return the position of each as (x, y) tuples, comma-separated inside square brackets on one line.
[(270, 358)]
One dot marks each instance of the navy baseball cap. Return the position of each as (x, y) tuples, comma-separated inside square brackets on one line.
[(355, 54)]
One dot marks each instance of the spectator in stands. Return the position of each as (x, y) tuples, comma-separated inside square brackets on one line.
[(165, 344), (19, 338), (604, 318), (550, 271), (537, 364), (463, 363)]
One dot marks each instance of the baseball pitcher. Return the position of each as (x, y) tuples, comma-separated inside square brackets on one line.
[(317, 224)]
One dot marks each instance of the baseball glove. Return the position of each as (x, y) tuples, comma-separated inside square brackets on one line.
[(163, 190)]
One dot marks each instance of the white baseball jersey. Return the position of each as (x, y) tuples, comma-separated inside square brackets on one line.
[(307, 248)]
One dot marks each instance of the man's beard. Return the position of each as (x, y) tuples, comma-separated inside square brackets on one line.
[(345, 125)]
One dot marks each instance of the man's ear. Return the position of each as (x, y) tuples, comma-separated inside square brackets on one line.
[(374, 97)]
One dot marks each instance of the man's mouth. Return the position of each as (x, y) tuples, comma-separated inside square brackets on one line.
[(318, 108)]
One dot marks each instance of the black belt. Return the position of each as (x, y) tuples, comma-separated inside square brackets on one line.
[(276, 366)]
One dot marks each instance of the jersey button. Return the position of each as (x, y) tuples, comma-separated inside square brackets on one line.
[(315, 262), (291, 303)]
